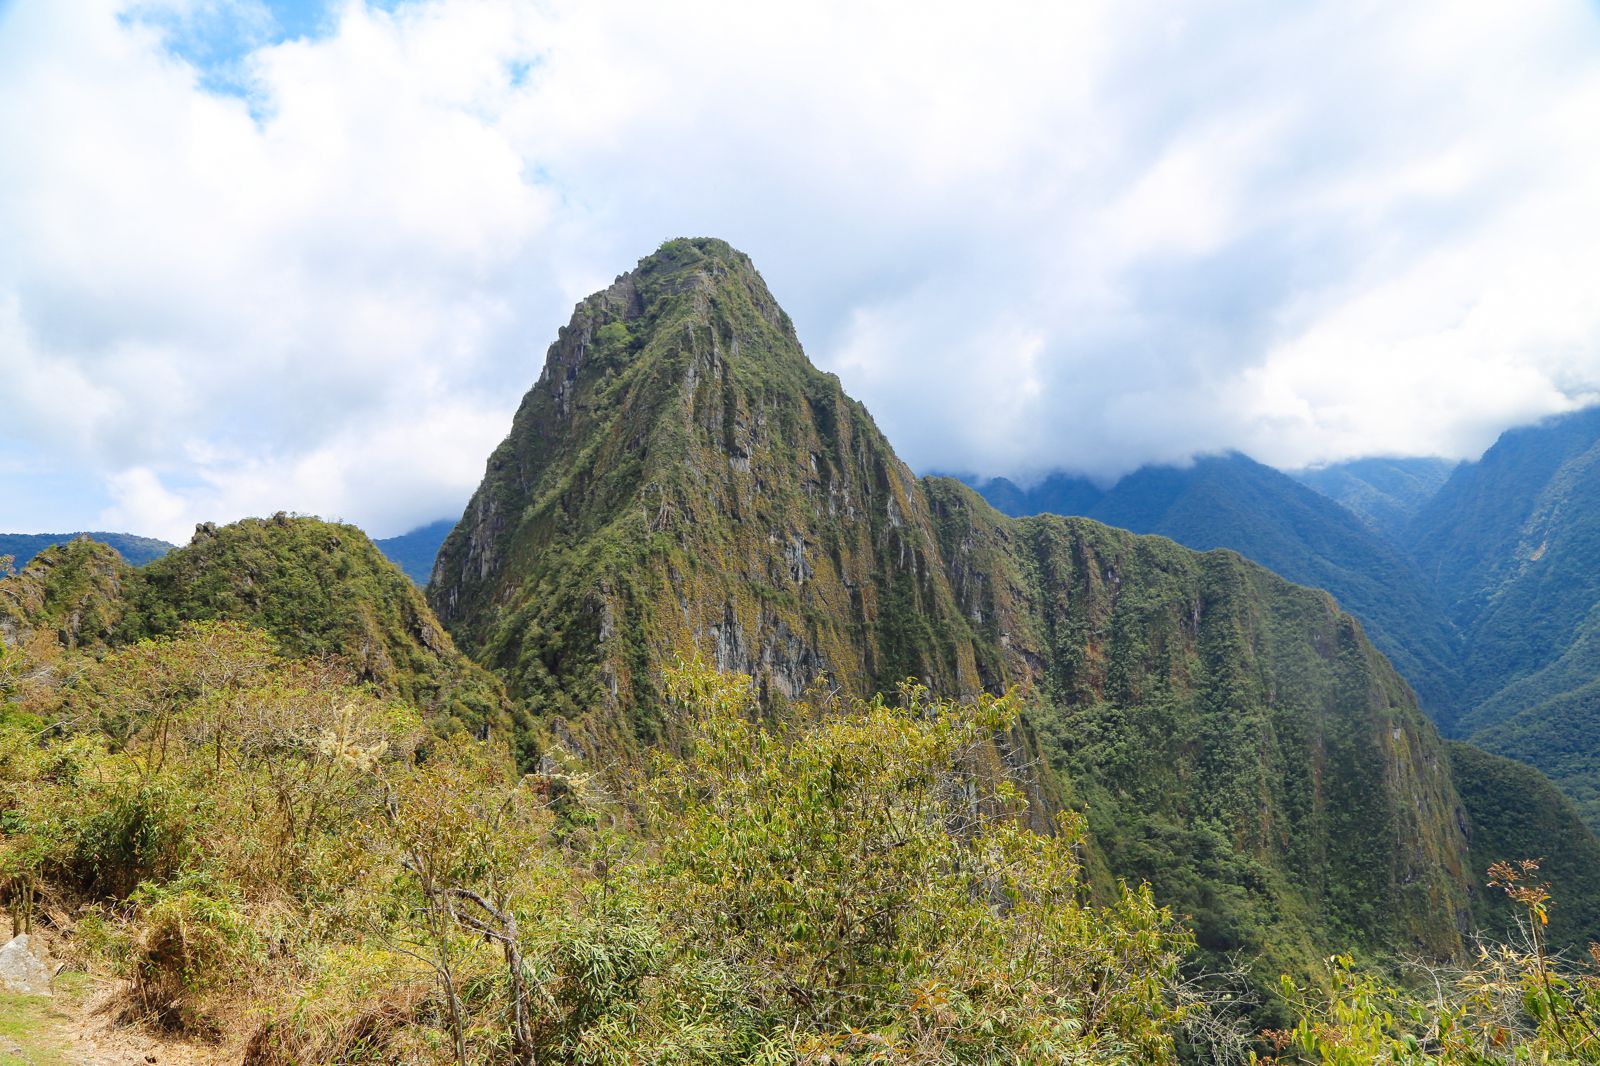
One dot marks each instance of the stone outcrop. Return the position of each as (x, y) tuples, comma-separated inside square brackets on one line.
[(22, 972)]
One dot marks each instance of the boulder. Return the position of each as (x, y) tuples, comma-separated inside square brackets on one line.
[(21, 971)]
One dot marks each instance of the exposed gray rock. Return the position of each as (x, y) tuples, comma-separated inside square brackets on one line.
[(21, 971)]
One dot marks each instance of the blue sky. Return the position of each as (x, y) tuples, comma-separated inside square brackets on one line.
[(308, 257)]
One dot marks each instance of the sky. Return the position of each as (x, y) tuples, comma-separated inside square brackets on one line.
[(308, 255)]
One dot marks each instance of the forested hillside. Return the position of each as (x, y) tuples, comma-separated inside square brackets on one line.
[(681, 481), (1234, 502), (317, 589)]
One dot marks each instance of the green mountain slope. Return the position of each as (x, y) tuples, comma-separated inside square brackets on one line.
[(1514, 810), (70, 594), (1232, 501), (1513, 541), (22, 547), (1385, 493), (318, 588), (1235, 739), (681, 481)]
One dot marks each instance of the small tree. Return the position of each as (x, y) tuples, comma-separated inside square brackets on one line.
[(464, 828)]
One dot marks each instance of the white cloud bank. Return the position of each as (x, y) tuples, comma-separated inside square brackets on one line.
[(1027, 235)]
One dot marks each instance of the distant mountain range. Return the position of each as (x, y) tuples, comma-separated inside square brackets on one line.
[(135, 550), (1234, 502), (415, 551), (1385, 494), (1480, 580)]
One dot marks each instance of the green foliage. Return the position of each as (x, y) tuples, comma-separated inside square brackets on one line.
[(262, 839), (1511, 1005), (845, 869), (248, 836), (193, 794), (131, 832), (184, 937)]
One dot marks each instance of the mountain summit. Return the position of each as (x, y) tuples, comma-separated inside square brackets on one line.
[(681, 481)]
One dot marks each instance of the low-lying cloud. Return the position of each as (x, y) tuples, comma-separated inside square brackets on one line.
[(242, 273)]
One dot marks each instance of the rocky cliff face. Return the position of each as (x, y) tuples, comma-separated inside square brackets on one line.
[(681, 481)]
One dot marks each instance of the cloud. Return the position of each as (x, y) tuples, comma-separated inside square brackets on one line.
[(247, 269)]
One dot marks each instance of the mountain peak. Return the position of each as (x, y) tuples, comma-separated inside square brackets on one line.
[(682, 483), (675, 403)]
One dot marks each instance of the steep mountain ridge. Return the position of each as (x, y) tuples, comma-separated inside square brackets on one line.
[(680, 481), (1232, 501)]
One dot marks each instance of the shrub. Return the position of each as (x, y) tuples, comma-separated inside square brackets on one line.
[(187, 938)]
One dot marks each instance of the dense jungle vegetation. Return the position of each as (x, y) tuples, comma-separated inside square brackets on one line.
[(267, 852)]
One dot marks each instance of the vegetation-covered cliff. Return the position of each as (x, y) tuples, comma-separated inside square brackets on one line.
[(317, 588), (681, 481), (1232, 501)]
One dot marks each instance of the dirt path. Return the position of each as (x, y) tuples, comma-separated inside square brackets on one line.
[(62, 1030)]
